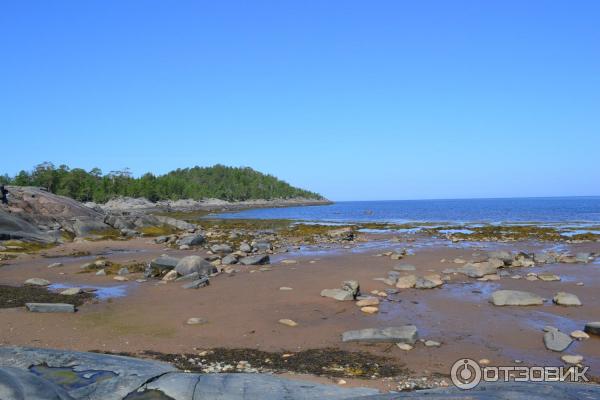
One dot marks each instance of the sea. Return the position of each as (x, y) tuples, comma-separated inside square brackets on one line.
[(571, 211)]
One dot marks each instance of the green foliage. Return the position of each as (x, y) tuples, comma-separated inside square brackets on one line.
[(220, 182)]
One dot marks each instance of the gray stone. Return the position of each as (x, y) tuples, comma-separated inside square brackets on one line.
[(262, 246), (202, 282), (515, 298), (123, 271), (259, 259), (37, 282), (402, 334), (221, 249), (55, 265), (20, 384), (404, 267), (192, 240), (428, 282), (190, 264), (229, 259), (337, 294), (351, 286), (245, 247), (557, 341), (583, 257), (593, 328), (164, 263), (478, 270), (189, 277), (50, 307), (161, 239), (544, 258), (505, 256), (566, 299), (101, 272), (71, 291)]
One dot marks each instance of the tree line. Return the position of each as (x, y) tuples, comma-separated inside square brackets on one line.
[(219, 181)]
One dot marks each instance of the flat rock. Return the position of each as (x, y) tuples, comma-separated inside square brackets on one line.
[(196, 321), (258, 259), (572, 359), (164, 262), (555, 340), (579, 335), (566, 299), (221, 248), (371, 301), (337, 294), (288, 322), (71, 291), (515, 298), (404, 268), (55, 265), (429, 282), (192, 240), (478, 270), (402, 334), (50, 307), (37, 282), (370, 309), (548, 277), (197, 283), (406, 282)]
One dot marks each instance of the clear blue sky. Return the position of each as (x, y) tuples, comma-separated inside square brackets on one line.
[(353, 99)]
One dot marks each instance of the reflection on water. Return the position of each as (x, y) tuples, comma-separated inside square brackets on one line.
[(101, 292)]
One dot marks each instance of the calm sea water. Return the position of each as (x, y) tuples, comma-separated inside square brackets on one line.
[(561, 210)]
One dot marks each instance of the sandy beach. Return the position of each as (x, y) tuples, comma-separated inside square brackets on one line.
[(241, 309)]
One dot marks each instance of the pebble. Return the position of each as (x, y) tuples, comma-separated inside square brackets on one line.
[(37, 282), (404, 346), (572, 359), (54, 265), (372, 301), (288, 322), (369, 310), (196, 321), (579, 335), (432, 343), (285, 288), (341, 382), (120, 278), (71, 291)]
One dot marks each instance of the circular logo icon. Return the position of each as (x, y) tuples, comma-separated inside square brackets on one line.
[(465, 373)]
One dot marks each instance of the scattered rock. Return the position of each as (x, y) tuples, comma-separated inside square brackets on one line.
[(197, 283), (593, 328), (164, 262), (285, 288), (123, 271), (579, 335), (369, 310), (478, 270), (190, 264), (196, 321), (192, 240), (432, 343), (337, 294), (404, 268), (371, 301), (288, 322), (515, 298), (429, 282), (120, 278), (351, 286), (229, 259), (55, 265), (289, 262), (245, 247), (37, 282), (402, 334), (50, 307), (71, 291), (404, 346), (101, 272), (548, 277), (259, 259), (406, 282), (221, 249), (572, 359), (170, 276), (566, 299), (555, 340)]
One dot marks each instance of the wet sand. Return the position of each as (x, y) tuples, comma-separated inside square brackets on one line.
[(243, 309)]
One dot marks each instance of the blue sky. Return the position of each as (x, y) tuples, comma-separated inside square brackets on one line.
[(353, 99)]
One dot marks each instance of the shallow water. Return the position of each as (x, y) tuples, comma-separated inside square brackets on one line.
[(101, 292), (571, 211)]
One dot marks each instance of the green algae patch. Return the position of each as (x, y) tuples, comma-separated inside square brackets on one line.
[(17, 296), (19, 246), (160, 230)]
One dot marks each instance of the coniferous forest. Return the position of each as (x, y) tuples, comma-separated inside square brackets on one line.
[(220, 182)]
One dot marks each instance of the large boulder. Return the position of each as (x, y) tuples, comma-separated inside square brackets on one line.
[(12, 226), (402, 334), (20, 384), (191, 264), (515, 298), (164, 263)]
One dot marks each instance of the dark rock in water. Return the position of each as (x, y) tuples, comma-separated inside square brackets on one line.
[(197, 283), (259, 259), (191, 264), (50, 307), (593, 328)]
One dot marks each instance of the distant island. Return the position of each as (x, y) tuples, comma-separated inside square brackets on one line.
[(216, 182)]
